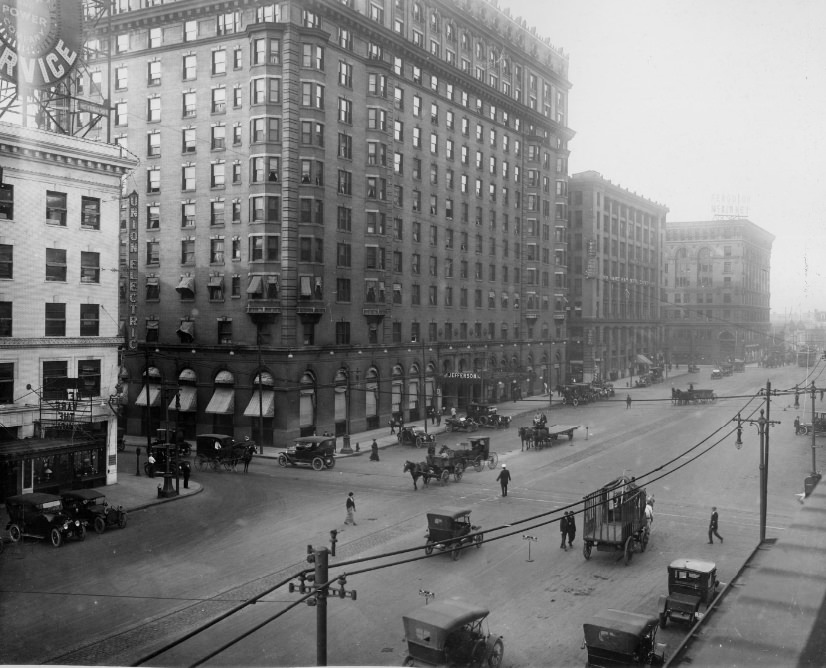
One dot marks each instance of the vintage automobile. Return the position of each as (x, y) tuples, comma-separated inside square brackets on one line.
[(461, 424), (90, 506), (643, 381), (619, 638), (415, 436), (449, 529), (487, 415), (690, 583), (41, 516), (318, 451), (716, 374), (451, 633)]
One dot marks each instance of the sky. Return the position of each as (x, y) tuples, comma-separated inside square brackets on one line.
[(680, 100)]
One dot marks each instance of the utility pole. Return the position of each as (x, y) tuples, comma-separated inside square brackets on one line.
[(814, 430)]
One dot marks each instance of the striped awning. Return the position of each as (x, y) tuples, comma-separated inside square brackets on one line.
[(261, 401), (149, 395), (222, 401), (188, 400)]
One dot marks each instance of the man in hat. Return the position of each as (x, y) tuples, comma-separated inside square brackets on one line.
[(571, 528), (712, 526), (504, 478), (563, 529)]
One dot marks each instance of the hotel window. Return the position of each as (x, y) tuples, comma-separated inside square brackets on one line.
[(6, 330), (55, 324), (345, 74), (312, 95), (216, 250), (219, 62), (187, 178), (229, 22), (121, 78), (187, 251), (89, 267), (89, 320), (56, 264), (345, 39), (190, 30), (216, 212), (153, 73), (219, 100), (153, 252), (217, 175), (345, 111), (153, 144), (344, 219), (89, 213), (312, 56), (189, 104), (7, 202)]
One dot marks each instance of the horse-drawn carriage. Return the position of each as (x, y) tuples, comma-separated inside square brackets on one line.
[(451, 633), (540, 437), (476, 452), (217, 451), (614, 519), (487, 415), (440, 466)]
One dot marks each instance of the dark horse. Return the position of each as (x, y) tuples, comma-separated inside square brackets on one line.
[(417, 470), (526, 436)]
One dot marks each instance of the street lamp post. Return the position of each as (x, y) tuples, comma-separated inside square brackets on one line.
[(762, 423), (260, 391), (424, 382)]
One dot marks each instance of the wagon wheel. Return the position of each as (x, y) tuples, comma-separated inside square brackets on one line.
[(56, 537), (122, 521), (444, 476), (15, 533), (586, 551), (458, 470), (215, 464), (478, 463), (493, 460), (318, 463), (229, 464), (100, 524), (454, 553), (494, 659), (478, 538), (419, 441), (428, 548), (200, 462), (629, 549), (564, 400), (282, 460), (575, 401)]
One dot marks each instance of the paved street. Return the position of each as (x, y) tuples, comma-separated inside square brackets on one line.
[(118, 597)]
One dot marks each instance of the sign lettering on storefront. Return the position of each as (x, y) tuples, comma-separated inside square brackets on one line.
[(464, 375)]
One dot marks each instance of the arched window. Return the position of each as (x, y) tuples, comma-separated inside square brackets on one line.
[(371, 393), (341, 398), (307, 400), (397, 388)]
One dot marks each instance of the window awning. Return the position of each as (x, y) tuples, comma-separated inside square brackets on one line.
[(222, 401), (215, 281), (152, 280), (188, 395), (186, 286), (149, 395), (186, 332), (642, 359), (254, 286), (265, 401)]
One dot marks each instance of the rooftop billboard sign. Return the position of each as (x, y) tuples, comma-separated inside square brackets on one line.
[(40, 40)]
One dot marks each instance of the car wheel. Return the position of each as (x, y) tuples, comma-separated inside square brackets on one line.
[(15, 533), (586, 551), (122, 520), (575, 402), (318, 463), (331, 463), (419, 441), (428, 548), (56, 537), (496, 654), (100, 524), (282, 460)]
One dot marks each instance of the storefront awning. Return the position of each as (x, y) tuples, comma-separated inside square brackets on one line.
[(188, 396), (149, 395), (642, 359), (41, 447), (265, 401), (222, 401)]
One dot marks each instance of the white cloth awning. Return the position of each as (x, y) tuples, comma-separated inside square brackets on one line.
[(149, 395), (642, 359), (187, 286), (222, 401), (265, 401), (186, 331), (188, 396)]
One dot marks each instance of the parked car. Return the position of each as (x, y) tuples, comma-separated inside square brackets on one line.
[(620, 638), (487, 415), (318, 451), (41, 516), (690, 583), (716, 374), (90, 506), (693, 368), (461, 424), (158, 453), (415, 436)]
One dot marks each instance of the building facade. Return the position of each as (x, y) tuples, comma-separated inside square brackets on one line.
[(717, 284), (59, 339), (616, 249), (347, 211)]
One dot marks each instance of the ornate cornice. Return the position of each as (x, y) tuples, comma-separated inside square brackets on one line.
[(63, 342)]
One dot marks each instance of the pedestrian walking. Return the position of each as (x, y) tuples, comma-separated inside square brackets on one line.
[(571, 528), (504, 478), (628, 402), (392, 426), (351, 509), (563, 530), (649, 513), (438, 418), (186, 469), (374, 451), (712, 526)]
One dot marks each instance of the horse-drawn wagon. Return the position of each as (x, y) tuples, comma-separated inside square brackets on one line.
[(476, 453), (445, 464), (216, 451), (614, 519), (692, 396), (540, 437)]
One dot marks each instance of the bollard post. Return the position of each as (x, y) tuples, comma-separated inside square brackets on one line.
[(137, 461), (586, 431)]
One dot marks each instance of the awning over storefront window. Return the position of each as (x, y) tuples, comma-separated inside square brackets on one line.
[(186, 288), (265, 401), (186, 331), (188, 400), (642, 359), (149, 395), (222, 401)]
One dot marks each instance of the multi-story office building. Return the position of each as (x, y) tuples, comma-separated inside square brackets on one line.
[(616, 246), (717, 285), (347, 210), (59, 339)]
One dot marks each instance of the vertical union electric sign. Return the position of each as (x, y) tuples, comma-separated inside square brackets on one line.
[(40, 40), (132, 271)]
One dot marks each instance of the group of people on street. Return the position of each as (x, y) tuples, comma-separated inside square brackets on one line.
[(567, 529)]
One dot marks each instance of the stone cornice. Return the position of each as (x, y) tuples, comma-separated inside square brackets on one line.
[(63, 342)]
